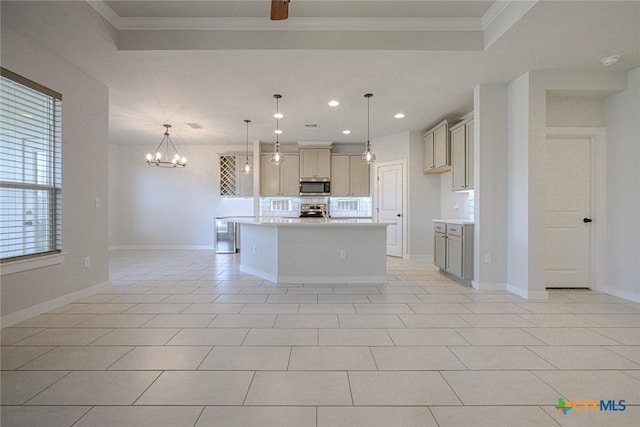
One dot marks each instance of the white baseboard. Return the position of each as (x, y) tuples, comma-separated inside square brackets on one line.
[(161, 247), (526, 294), (312, 279), (631, 296), (28, 313), (420, 257), (488, 286), (332, 279), (258, 273)]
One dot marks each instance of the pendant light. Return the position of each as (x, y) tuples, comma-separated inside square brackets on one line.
[(276, 157), (247, 167), (368, 156), (167, 155)]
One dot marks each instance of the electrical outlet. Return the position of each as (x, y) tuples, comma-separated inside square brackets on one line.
[(487, 258), (255, 249), (87, 261), (343, 254)]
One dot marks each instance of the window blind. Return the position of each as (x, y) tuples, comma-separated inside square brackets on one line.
[(30, 168)]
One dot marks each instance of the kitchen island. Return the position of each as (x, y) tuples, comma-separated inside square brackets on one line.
[(313, 250)]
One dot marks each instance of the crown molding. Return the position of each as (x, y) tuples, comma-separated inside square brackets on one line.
[(298, 24), (497, 21), (302, 24), (106, 12), (494, 12)]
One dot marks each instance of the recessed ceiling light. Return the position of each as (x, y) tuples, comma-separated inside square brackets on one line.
[(610, 60), (278, 131), (346, 131), (333, 103), (399, 116), (278, 115)]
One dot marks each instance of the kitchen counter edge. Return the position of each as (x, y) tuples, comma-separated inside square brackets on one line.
[(455, 221)]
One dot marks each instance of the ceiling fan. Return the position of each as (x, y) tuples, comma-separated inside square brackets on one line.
[(279, 9)]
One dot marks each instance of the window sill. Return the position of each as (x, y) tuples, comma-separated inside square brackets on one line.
[(31, 264)]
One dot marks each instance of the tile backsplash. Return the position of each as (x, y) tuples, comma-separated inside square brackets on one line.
[(280, 206), (339, 207)]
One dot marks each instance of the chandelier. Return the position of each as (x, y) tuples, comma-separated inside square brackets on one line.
[(368, 156), (167, 155)]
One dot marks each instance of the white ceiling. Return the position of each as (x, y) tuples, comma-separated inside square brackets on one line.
[(218, 63)]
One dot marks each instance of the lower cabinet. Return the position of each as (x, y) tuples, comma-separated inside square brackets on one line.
[(440, 245), (454, 255), (453, 249)]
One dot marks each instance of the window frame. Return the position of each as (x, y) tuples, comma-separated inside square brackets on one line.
[(52, 253)]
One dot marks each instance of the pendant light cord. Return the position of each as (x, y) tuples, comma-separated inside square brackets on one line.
[(368, 98), (247, 153), (277, 122)]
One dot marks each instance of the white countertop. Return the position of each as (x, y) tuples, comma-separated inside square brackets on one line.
[(455, 221), (307, 222)]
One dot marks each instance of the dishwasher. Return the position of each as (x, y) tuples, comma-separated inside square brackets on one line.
[(226, 236)]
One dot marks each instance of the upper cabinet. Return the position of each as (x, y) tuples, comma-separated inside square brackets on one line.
[(437, 152), (427, 141), (349, 176), (462, 154), (315, 164), (283, 180)]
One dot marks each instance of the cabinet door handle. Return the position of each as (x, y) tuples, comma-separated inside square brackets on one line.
[(586, 220)]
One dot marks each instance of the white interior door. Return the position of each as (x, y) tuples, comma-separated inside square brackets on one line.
[(568, 205), (390, 205)]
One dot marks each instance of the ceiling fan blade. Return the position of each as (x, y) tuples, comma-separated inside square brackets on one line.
[(279, 10)]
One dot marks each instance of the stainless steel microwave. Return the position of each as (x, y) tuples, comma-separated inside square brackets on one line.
[(315, 188)]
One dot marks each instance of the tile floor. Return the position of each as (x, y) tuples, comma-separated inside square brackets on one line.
[(182, 338)]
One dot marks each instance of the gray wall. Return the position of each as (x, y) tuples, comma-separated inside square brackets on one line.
[(490, 183), (573, 110), (85, 106), (166, 207), (623, 198), (423, 190)]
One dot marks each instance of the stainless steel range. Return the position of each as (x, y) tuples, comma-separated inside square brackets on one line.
[(313, 210)]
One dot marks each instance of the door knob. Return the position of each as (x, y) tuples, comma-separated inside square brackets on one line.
[(399, 215), (587, 220)]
